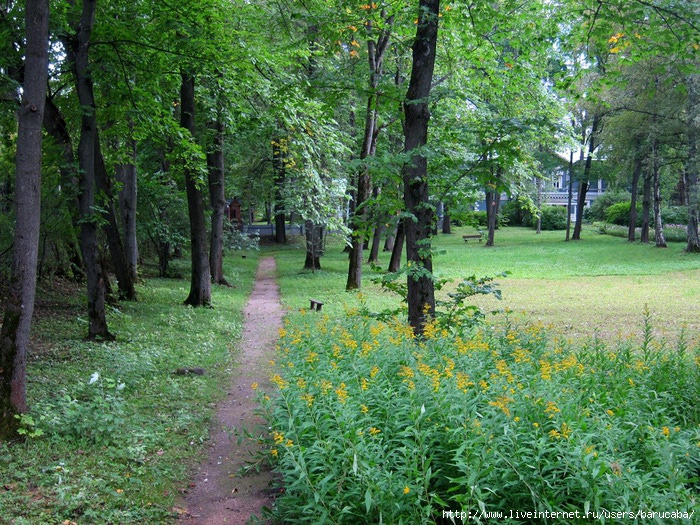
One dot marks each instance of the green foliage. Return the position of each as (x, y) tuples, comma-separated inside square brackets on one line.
[(113, 432), (620, 213), (675, 215), (458, 317), (598, 209), (451, 313), (553, 218), (475, 219), (515, 213), (235, 239), (92, 412), (510, 418)]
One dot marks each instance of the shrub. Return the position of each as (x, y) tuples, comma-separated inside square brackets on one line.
[(675, 215), (515, 213), (620, 214), (553, 218), (370, 425), (600, 205), (476, 219)]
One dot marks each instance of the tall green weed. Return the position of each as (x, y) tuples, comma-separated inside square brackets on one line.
[(370, 425)]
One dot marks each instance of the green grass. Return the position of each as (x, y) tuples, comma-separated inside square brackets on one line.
[(597, 286), (118, 449)]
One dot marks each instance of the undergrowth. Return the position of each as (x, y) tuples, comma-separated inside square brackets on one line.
[(112, 431), (370, 425)]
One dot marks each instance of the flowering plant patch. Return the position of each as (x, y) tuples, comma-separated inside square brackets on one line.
[(370, 424)]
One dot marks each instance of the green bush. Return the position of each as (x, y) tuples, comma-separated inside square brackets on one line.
[(675, 215), (515, 213), (553, 218), (369, 425), (620, 213), (476, 219), (600, 205)]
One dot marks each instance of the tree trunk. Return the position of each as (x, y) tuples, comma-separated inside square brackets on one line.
[(569, 196), (658, 221), (376, 241), (693, 245), (583, 184), (539, 205), (200, 281), (279, 148), (636, 174), (77, 53), (646, 207), (375, 53), (493, 201), (314, 246), (421, 287), (128, 195), (56, 127), (125, 282), (14, 336), (446, 222), (357, 238), (217, 199), (397, 250)]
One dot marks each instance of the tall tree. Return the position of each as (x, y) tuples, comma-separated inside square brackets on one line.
[(584, 179), (693, 127), (200, 275), (14, 336), (77, 51), (376, 49), (421, 287), (217, 199)]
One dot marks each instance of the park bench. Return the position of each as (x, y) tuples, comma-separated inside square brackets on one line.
[(316, 305), (472, 236)]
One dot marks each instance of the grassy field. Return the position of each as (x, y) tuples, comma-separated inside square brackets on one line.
[(597, 286)]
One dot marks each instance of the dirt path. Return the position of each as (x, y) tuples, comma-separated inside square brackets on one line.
[(220, 495)]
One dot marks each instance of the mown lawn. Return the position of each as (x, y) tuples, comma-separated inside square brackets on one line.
[(597, 286)]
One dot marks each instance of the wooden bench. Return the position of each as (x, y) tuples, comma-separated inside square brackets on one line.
[(472, 236), (316, 305)]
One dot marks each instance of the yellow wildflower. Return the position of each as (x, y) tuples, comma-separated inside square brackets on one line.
[(279, 381), (545, 370), (463, 382), (309, 398), (551, 409), (406, 490), (342, 393)]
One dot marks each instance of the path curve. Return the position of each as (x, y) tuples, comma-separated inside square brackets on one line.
[(220, 495)]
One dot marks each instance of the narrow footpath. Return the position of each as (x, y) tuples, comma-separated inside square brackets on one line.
[(219, 494)]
